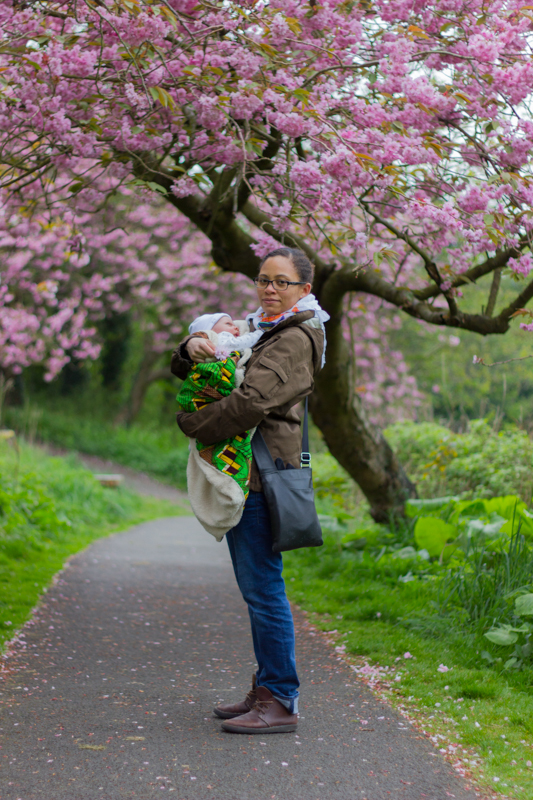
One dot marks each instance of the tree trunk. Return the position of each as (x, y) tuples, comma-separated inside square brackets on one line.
[(146, 375), (337, 410)]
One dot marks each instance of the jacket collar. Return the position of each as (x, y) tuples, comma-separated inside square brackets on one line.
[(315, 335), (296, 319)]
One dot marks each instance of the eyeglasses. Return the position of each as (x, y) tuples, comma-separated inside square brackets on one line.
[(278, 283)]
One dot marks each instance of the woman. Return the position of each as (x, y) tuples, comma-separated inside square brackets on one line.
[(279, 374)]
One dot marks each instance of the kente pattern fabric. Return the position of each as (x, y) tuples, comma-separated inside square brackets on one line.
[(206, 383)]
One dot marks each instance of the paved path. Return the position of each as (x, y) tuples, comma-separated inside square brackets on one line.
[(111, 697)]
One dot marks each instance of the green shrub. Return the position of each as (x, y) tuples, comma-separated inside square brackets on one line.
[(478, 463)]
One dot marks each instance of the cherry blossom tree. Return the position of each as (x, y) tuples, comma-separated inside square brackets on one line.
[(389, 140), (63, 274), (163, 273), (48, 302)]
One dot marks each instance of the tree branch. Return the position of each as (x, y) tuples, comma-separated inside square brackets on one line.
[(471, 275), (429, 264), (262, 164), (519, 302), (264, 222), (494, 289), (347, 280), (232, 246)]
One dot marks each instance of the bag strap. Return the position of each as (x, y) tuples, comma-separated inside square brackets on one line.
[(305, 458), (263, 458)]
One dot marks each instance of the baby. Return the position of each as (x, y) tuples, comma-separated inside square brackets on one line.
[(218, 475), (227, 336)]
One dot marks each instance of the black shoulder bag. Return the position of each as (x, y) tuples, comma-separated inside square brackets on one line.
[(290, 496)]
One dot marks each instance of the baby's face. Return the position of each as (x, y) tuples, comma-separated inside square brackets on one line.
[(226, 325)]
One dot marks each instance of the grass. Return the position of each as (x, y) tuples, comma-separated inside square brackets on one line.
[(158, 451), (51, 508), (379, 618)]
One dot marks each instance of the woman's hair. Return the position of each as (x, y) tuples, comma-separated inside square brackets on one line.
[(303, 266)]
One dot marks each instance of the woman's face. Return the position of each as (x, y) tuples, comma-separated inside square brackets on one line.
[(272, 300)]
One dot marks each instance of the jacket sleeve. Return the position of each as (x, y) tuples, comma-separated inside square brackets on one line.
[(281, 376), (181, 363)]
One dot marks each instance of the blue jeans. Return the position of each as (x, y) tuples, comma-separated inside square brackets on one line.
[(258, 572)]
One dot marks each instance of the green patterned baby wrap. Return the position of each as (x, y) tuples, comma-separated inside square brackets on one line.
[(205, 383)]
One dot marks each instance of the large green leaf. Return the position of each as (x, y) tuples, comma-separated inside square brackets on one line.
[(524, 605), (468, 509), (520, 524), (433, 534), (414, 507), (527, 523), (508, 507), (502, 636)]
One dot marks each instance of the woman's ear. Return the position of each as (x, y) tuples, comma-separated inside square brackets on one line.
[(305, 290)]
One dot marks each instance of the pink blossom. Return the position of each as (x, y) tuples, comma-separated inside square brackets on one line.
[(183, 187), (523, 265)]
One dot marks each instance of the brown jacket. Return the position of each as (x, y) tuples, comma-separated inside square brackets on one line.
[(279, 374)]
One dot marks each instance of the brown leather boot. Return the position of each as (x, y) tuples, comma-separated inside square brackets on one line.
[(238, 709), (267, 716)]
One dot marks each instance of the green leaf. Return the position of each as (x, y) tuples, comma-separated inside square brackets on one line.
[(469, 509), (302, 94), (526, 520), (354, 544), (33, 63), (156, 187), (524, 605), (506, 506), (494, 235), (158, 93), (414, 507), (433, 534), (502, 637)]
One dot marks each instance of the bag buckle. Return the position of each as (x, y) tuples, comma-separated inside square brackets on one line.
[(305, 460)]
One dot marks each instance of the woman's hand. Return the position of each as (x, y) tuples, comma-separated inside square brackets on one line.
[(200, 349)]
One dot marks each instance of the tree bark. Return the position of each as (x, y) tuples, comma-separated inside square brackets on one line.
[(337, 410), (146, 375)]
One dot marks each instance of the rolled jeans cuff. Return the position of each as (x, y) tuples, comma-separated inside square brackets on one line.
[(290, 703)]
